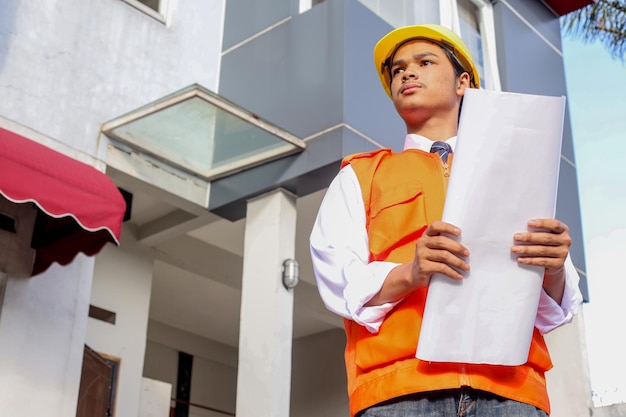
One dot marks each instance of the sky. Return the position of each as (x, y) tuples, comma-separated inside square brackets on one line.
[(596, 93)]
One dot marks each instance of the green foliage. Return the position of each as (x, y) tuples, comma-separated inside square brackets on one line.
[(603, 20)]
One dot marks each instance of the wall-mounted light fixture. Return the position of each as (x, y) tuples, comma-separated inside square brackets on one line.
[(291, 273)]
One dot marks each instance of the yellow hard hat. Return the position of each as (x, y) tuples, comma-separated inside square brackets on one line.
[(389, 44)]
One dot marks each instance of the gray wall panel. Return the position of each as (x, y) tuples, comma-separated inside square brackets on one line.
[(539, 16), (353, 143), (367, 108), (244, 18), (527, 64), (567, 147), (568, 211), (292, 75)]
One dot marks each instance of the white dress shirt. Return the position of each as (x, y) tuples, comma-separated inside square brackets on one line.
[(347, 281)]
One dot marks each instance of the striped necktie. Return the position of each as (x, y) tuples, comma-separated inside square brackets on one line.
[(442, 148)]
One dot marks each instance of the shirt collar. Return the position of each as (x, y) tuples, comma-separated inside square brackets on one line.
[(413, 141)]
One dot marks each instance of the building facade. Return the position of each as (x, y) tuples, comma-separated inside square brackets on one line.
[(189, 311)]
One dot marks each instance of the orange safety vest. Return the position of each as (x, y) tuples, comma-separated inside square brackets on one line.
[(403, 193)]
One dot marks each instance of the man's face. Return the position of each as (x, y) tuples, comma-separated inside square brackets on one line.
[(423, 79)]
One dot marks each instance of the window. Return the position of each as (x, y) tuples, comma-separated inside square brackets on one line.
[(307, 4), (404, 12), (101, 314), (470, 32), (473, 20), (153, 4), (154, 8)]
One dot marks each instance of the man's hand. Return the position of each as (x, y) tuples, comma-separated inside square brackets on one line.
[(437, 252), (434, 252), (546, 245)]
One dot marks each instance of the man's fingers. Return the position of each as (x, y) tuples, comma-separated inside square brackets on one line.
[(548, 232), (445, 264), (437, 252), (548, 256), (548, 263), (553, 225), (541, 251), (543, 238), (427, 248), (437, 237), (444, 243), (443, 257), (450, 272), (438, 227)]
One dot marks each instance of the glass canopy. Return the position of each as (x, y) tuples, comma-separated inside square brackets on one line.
[(202, 133)]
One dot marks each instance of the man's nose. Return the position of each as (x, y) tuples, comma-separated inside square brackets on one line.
[(408, 74)]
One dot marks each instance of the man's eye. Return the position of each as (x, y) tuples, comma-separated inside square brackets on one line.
[(397, 71), (427, 62)]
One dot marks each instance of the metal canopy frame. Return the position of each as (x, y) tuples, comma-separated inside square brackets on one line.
[(257, 141)]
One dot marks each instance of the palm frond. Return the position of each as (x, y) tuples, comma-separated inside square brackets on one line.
[(604, 21)]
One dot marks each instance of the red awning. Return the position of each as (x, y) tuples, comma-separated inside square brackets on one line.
[(79, 208), (563, 7)]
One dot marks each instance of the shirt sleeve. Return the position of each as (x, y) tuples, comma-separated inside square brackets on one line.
[(346, 280), (550, 314)]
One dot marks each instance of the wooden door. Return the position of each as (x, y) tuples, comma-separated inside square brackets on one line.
[(95, 386)]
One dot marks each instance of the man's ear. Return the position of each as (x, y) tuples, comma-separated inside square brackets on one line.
[(463, 82)]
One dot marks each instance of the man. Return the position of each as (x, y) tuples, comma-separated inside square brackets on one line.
[(379, 238)]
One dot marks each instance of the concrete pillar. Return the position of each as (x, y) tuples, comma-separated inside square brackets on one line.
[(122, 284), (569, 382), (266, 324), (42, 334)]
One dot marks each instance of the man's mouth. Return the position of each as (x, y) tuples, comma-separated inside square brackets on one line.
[(409, 88)]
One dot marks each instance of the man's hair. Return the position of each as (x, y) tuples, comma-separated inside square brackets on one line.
[(449, 51), (456, 64)]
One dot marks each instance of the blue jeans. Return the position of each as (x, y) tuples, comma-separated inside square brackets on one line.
[(463, 402)]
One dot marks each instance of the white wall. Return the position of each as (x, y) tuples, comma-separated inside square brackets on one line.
[(615, 410), (122, 283), (161, 364), (67, 66), (42, 329), (569, 384), (318, 383), (212, 384), (214, 372), (155, 398)]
